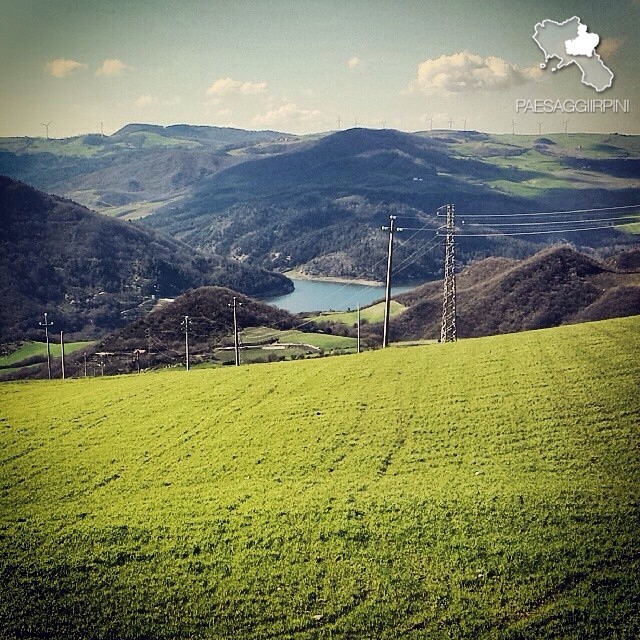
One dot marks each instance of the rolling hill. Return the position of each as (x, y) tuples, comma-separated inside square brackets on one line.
[(317, 202), (556, 286), (482, 489), (210, 320), (91, 272), (319, 206), (133, 171)]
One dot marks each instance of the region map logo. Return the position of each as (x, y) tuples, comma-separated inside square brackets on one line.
[(571, 43)]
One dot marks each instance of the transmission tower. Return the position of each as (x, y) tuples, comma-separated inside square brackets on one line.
[(448, 332)]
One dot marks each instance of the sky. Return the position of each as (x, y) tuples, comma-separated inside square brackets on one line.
[(303, 66)]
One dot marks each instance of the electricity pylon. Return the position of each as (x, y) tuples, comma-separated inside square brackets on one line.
[(448, 332)]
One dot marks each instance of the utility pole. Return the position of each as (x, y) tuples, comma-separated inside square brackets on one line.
[(62, 352), (448, 331), (136, 354), (185, 324), (235, 304), (387, 301), (46, 326), (85, 365), (358, 328)]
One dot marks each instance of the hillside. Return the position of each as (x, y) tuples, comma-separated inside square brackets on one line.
[(316, 203), (211, 320), (131, 172), (556, 286), (91, 272), (482, 489), (319, 207)]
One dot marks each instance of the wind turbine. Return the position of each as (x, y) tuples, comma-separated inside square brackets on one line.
[(513, 127), (355, 122), (339, 123), (539, 128), (450, 123), (566, 127), (383, 123), (102, 129), (464, 126), (46, 127)]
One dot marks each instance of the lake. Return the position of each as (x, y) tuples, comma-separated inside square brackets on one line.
[(316, 295)]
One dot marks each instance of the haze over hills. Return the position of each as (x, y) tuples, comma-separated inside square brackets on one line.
[(92, 272), (317, 202)]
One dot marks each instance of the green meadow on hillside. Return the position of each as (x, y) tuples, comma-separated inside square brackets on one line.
[(374, 313), (483, 489)]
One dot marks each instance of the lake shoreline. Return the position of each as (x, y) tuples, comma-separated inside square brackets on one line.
[(294, 275)]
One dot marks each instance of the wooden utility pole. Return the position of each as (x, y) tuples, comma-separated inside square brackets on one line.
[(358, 327), (62, 352), (185, 324), (234, 305), (387, 301), (46, 326)]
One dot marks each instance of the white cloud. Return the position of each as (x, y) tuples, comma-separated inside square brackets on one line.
[(112, 67), (61, 67), (465, 72), (354, 62), (229, 86), (289, 116), (145, 101)]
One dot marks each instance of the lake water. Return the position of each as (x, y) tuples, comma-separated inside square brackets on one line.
[(315, 295)]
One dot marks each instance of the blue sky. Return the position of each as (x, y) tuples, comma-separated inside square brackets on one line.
[(299, 66)]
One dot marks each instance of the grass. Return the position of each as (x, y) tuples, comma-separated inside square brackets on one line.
[(32, 349), (486, 489), (372, 314), (324, 341)]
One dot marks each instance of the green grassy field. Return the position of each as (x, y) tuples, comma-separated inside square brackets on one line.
[(324, 341), (483, 489), (374, 313), (31, 349)]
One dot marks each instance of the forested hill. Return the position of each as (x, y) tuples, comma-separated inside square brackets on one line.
[(317, 202), (557, 286), (93, 273), (319, 206)]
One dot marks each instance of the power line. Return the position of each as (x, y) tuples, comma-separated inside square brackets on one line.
[(536, 233), (631, 217), (547, 213)]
